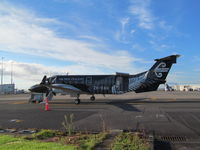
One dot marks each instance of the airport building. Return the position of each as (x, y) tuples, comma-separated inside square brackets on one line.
[(189, 87), (7, 89)]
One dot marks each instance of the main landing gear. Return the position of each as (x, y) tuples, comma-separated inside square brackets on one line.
[(77, 101), (92, 98)]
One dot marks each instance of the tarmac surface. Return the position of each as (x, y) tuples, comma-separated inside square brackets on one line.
[(173, 118)]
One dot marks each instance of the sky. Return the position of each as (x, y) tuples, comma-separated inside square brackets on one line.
[(49, 37)]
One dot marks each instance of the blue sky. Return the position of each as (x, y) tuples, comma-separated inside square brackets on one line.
[(98, 37)]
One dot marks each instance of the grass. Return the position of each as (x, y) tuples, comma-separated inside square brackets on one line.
[(8, 142), (90, 141), (129, 141), (123, 141), (82, 141), (86, 141), (39, 141), (45, 133)]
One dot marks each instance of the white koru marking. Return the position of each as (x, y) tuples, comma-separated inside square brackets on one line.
[(160, 69)]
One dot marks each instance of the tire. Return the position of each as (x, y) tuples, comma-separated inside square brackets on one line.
[(77, 101), (92, 98)]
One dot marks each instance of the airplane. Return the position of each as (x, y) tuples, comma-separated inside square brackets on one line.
[(120, 83)]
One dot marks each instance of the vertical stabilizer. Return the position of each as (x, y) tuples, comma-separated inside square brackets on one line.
[(162, 67), (151, 79)]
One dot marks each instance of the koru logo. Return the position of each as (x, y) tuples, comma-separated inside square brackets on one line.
[(160, 69)]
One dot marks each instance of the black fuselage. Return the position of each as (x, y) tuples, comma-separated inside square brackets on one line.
[(94, 84)]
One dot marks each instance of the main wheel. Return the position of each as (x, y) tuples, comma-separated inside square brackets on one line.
[(92, 98), (77, 101)]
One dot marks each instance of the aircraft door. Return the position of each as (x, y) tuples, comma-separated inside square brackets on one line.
[(121, 83), (125, 83)]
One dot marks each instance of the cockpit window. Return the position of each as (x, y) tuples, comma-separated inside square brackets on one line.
[(52, 80)]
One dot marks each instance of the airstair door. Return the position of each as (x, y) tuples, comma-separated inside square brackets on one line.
[(119, 84), (122, 84)]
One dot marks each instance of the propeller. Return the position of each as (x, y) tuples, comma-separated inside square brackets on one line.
[(49, 90)]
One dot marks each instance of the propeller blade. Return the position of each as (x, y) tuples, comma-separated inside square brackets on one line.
[(44, 80), (49, 94), (49, 90)]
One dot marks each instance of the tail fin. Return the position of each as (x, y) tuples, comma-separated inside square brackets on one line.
[(162, 67), (150, 80)]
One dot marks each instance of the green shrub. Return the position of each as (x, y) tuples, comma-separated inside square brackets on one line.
[(68, 124), (84, 141), (129, 141), (44, 134)]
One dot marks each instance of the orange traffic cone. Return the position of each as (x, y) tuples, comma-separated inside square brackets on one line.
[(46, 105)]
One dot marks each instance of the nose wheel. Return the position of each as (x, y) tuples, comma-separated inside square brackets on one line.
[(92, 98)]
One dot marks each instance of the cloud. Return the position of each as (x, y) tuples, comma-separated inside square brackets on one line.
[(138, 47), (156, 28), (27, 74), (121, 35), (165, 26), (24, 74), (86, 2), (197, 69), (141, 11), (92, 38), (196, 58), (24, 32), (133, 31), (124, 22), (159, 46)]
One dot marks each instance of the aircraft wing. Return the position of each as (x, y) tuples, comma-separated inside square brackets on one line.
[(65, 88)]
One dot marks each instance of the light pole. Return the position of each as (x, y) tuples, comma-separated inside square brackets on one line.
[(2, 74), (2, 70), (11, 73)]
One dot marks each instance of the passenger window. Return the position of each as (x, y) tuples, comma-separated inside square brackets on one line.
[(89, 80)]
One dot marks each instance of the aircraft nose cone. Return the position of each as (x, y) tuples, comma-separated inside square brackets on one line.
[(30, 89), (38, 88), (33, 88)]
